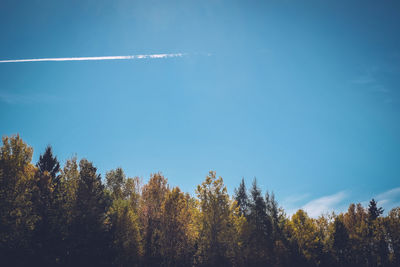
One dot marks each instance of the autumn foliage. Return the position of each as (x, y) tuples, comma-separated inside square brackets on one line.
[(70, 216)]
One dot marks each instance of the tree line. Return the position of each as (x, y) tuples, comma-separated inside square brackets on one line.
[(69, 216)]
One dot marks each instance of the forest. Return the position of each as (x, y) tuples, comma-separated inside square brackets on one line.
[(52, 215)]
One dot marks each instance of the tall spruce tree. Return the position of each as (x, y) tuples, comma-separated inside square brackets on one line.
[(340, 243), (47, 233), (242, 198), (373, 211), (260, 229), (48, 163)]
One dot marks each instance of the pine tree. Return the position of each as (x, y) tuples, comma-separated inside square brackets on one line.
[(242, 198), (373, 211), (47, 233), (48, 163), (341, 243)]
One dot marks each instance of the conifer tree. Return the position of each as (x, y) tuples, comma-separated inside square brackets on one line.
[(89, 237), (373, 211), (341, 243), (260, 229), (47, 233), (242, 198)]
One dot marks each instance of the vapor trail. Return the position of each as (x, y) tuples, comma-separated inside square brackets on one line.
[(93, 58)]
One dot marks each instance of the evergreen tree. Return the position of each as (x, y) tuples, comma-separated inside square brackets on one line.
[(260, 229), (373, 211), (242, 198), (89, 237), (340, 244), (53, 217), (47, 233), (278, 239), (48, 163)]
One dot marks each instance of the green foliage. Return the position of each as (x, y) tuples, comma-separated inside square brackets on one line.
[(48, 231), (176, 241), (89, 237), (260, 238), (216, 225), (304, 233), (69, 217), (17, 212), (125, 234), (242, 198), (340, 240), (153, 196), (373, 211)]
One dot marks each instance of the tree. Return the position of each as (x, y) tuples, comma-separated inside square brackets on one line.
[(260, 239), (176, 241), (48, 163), (125, 226), (125, 231), (89, 236), (279, 241), (373, 211), (393, 231), (216, 225), (242, 198), (48, 230), (17, 212), (341, 243), (304, 233), (116, 179), (153, 196)]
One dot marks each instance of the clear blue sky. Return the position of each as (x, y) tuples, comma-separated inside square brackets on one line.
[(303, 95)]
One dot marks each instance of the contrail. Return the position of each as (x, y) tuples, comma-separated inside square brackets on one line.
[(94, 58)]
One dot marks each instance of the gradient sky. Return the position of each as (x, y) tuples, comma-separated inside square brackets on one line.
[(303, 95)]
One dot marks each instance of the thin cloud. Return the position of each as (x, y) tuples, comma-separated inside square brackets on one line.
[(324, 204), (295, 199), (292, 203), (151, 56), (389, 199)]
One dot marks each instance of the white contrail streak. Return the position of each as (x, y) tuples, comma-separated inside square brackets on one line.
[(93, 58)]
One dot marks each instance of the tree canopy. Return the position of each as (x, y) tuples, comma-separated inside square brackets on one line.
[(70, 216)]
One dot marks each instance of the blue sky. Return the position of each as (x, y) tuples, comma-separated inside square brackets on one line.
[(302, 95)]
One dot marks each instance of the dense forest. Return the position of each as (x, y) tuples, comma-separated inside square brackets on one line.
[(70, 216)]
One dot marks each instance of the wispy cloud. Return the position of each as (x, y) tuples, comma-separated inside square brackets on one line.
[(292, 203), (389, 199), (151, 56), (324, 204)]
